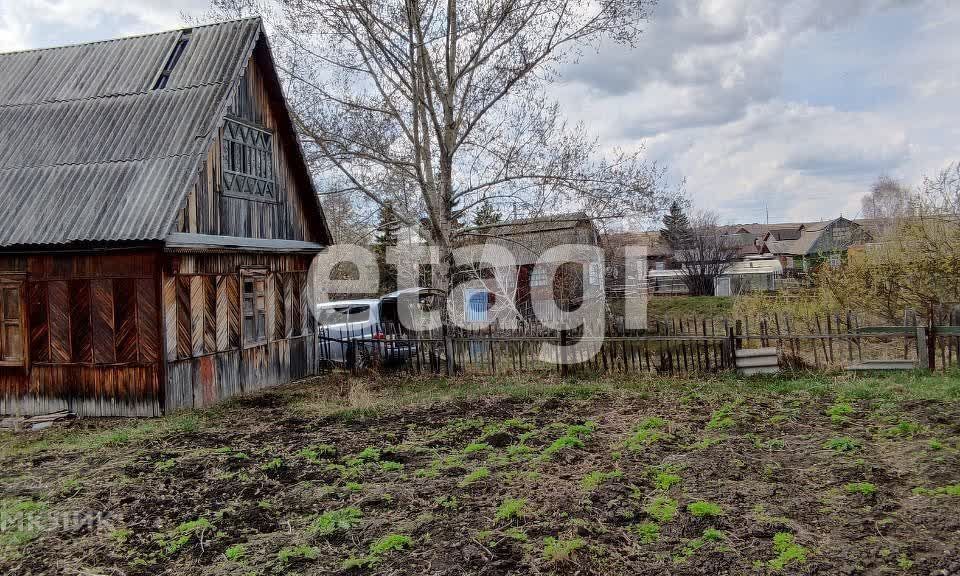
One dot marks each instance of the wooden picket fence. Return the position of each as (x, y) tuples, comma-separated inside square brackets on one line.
[(676, 346)]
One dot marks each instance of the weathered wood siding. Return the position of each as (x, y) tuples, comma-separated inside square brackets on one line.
[(207, 359), (94, 337), (209, 211)]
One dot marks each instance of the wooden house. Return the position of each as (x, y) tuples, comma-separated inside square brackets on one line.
[(157, 221), (806, 246), (532, 291)]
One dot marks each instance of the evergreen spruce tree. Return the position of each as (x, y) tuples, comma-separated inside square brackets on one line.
[(486, 214), (676, 227), (387, 230)]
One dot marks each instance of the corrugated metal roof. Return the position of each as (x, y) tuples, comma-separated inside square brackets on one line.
[(90, 152)]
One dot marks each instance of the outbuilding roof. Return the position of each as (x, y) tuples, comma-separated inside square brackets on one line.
[(99, 142)]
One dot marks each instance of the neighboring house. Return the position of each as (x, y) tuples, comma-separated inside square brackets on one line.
[(752, 274), (159, 222), (803, 247), (629, 277), (527, 240)]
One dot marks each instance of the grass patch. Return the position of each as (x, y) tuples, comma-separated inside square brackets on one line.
[(722, 418)]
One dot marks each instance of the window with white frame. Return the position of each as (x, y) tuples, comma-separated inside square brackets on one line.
[(539, 276)]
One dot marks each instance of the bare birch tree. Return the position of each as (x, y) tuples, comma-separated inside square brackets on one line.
[(441, 105), (705, 254)]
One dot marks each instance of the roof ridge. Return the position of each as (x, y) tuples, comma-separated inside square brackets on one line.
[(131, 37)]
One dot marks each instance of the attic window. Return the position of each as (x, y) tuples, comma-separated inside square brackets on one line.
[(175, 55), (247, 157)]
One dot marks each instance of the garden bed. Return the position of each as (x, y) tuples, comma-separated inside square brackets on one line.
[(496, 477)]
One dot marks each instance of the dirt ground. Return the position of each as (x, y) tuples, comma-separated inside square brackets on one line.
[(595, 477)]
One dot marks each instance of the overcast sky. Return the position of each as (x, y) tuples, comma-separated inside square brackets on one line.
[(789, 106)]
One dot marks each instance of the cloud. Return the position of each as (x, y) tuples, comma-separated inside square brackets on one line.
[(798, 161), (44, 23)]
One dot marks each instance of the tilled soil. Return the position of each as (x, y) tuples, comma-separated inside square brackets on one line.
[(173, 500)]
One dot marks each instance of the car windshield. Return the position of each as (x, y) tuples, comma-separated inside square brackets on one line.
[(342, 314)]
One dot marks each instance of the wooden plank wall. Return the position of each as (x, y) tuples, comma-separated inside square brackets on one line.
[(206, 359), (93, 325), (208, 211)]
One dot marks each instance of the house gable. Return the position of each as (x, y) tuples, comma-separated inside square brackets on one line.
[(253, 181)]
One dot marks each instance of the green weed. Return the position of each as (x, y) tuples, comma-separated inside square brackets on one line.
[(235, 552), (865, 488), (391, 543), (722, 418), (335, 521), (556, 550), (647, 432), (173, 541), (474, 477), (839, 412), (648, 532), (511, 508), (842, 444), (787, 550), (290, 554), (703, 509), (662, 509), (592, 480)]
